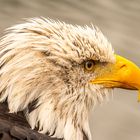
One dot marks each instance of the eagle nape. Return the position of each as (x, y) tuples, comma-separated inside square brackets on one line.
[(52, 74)]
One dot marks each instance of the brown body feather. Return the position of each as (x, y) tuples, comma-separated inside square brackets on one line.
[(15, 127)]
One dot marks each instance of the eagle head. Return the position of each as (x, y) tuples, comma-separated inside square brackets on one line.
[(55, 72)]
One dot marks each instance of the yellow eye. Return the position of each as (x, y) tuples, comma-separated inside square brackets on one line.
[(89, 65)]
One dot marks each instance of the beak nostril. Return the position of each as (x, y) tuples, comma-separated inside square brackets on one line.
[(123, 66)]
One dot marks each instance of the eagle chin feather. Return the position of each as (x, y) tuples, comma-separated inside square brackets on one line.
[(42, 74)]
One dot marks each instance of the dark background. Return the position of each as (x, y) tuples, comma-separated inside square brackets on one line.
[(118, 119)]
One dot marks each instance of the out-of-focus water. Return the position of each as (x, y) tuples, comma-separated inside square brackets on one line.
[(118, 119)]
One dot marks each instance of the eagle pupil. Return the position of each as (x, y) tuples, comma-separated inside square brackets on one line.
[(89, 65)]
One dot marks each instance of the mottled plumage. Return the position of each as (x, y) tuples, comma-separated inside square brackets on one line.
[(43, 74)]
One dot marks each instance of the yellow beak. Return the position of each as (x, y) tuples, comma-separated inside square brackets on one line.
[(122, 74)]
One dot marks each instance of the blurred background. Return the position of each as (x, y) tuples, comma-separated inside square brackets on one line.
[(119, 20)]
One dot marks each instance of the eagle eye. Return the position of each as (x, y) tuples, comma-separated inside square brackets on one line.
[(89, 65)]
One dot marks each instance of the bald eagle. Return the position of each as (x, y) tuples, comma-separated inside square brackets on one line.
[(53, 73)]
